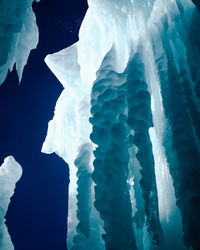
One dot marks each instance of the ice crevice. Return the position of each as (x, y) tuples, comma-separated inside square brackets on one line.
[(127, 123)]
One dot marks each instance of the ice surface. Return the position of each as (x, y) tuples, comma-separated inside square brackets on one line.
[(18, 35), (131, 95), (10, 173)]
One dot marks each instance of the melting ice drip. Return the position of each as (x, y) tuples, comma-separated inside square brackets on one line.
[(10, 173), (127, 123)]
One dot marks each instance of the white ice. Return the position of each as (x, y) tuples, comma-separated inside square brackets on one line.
[(10, 173)]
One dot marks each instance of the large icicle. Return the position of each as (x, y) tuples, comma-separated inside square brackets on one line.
[(18, 35), (69, 136), (111, 134), (10, 173), (140, 120)]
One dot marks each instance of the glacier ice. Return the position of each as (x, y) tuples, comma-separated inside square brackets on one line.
[(18, 35), (127, 123), (10, 173)]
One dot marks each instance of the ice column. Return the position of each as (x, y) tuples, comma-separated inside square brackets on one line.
[(10, 173)]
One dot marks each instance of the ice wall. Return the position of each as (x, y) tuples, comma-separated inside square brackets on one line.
[(132, 97), (10, 173), (18, 35)]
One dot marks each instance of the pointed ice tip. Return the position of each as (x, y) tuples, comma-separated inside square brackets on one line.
[(46, 60), (20, 79), (64, 65)]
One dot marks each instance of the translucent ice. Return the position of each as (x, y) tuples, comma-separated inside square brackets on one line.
[(18, 35), (132, 97)]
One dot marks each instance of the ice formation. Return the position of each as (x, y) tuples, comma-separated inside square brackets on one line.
[(127, 123), (10, 173), (18, 35)]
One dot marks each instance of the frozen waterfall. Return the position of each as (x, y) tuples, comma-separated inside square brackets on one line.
[(128, 125)]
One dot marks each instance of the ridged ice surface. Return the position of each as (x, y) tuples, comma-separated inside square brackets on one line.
[(127, 123), (18, 35), (10, 173)]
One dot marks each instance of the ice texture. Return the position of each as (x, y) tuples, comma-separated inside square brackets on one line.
[(127, 123), (10, 173), (18, 35)]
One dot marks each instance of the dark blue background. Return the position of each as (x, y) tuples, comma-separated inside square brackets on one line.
[(37, 216)]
